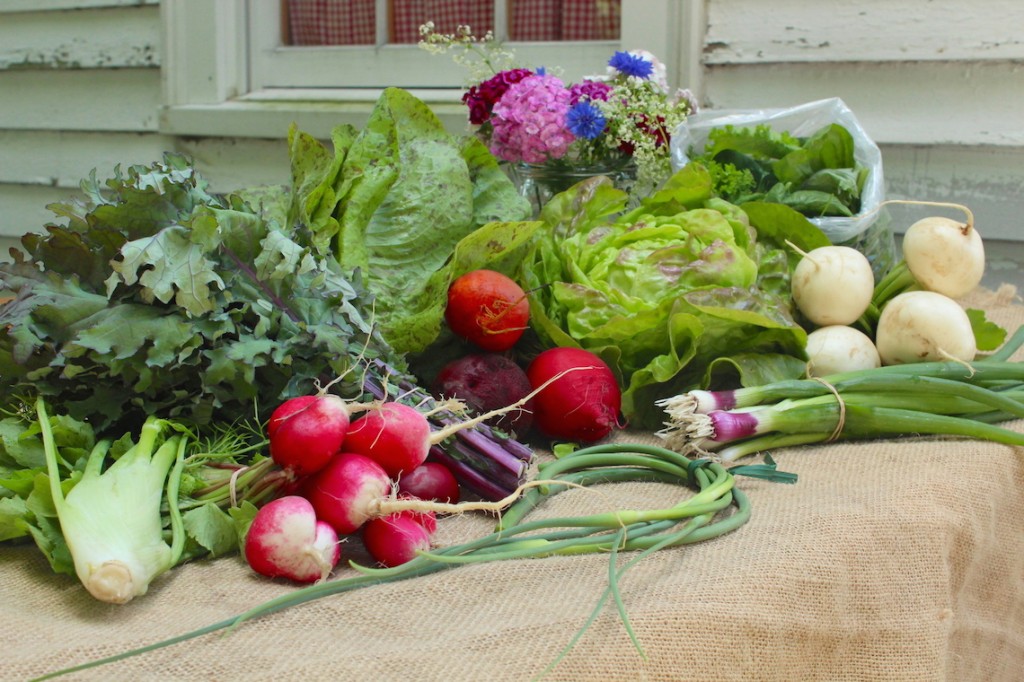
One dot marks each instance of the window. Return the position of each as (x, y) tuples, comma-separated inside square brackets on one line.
[(251, 67)]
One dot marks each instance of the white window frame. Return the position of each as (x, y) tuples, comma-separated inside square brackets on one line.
[(225, 72)]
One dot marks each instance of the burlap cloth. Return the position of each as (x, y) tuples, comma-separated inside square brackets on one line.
[(890, 560)]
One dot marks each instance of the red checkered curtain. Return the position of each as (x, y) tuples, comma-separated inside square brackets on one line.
[(564, 20), (352, 22), (332, 22), (447, 15)]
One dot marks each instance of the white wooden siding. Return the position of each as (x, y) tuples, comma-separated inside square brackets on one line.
[(117, 37), (938, 83), (79, 89), (752, 32)]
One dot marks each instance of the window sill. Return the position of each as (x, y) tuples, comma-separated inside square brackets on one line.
[(269, 113)]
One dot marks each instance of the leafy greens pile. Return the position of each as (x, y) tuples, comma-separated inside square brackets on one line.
[(817, 176), (157, 297), (396, 200), (150, 296), (674, 294)]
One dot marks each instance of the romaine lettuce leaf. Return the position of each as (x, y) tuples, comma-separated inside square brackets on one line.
[(394, 200)]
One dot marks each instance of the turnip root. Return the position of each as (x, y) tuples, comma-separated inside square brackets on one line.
[(395, 435), (582, 406), (838, 348), (488, 309), (944, 255), (921, 326), (399, 437), (833, 285), (287, 540), (430, 481)]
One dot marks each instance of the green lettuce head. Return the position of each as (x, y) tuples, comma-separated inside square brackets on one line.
[(675, 294)]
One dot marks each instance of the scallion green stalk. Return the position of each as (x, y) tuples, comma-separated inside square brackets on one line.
[(714, 508)]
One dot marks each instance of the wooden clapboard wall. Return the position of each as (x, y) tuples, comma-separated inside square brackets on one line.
[(939, 84)]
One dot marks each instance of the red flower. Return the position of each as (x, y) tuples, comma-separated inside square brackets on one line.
[(481, 98)]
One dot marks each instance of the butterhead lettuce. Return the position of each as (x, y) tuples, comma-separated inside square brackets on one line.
[(674, 294)]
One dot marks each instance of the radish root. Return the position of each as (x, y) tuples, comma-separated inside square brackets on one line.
[(391, 505)]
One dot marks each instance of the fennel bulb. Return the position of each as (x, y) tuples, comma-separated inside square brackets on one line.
[(111, 519)]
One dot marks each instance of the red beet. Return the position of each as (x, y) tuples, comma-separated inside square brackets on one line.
[(487, 308), (584, 404), (485, 382)]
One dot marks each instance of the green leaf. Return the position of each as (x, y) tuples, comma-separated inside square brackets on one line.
[(988, 335), (13, 523), (169, 266), (212, 529), (18, 450), (830, 147), (242, 517)]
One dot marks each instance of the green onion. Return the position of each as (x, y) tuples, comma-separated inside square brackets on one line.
[(715, 508), (928, 398)]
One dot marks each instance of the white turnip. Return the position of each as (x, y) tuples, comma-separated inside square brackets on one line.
[(838, 348), (287, 540), (944, 255), (833, 285), (921, 326)]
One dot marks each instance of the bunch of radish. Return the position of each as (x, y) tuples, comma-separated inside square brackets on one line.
[(362, 469), (912, 315), (491, 312)]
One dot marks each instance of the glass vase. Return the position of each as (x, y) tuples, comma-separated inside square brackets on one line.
[(539, 182)]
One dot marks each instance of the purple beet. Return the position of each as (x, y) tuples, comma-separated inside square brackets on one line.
[(485, 382)]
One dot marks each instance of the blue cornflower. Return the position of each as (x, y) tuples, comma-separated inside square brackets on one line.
[(631, 65), (584, 120)]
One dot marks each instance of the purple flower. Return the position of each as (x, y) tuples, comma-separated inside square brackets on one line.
[(631, 65), (589, 90), (528, 122), (585, 120)]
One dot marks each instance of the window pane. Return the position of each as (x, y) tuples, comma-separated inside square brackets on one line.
[(353, 22), (447, 15), (331, 22), (564, 20)]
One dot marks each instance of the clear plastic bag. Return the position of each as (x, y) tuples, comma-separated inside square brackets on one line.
[(869, 230)]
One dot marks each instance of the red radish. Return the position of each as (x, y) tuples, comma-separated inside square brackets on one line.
[(580, 406), (346, 493), (396, 436), (305, 432), (399, 437), (488, 381), (430, 481), (487, 308), (286, 540), (396, 538)]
